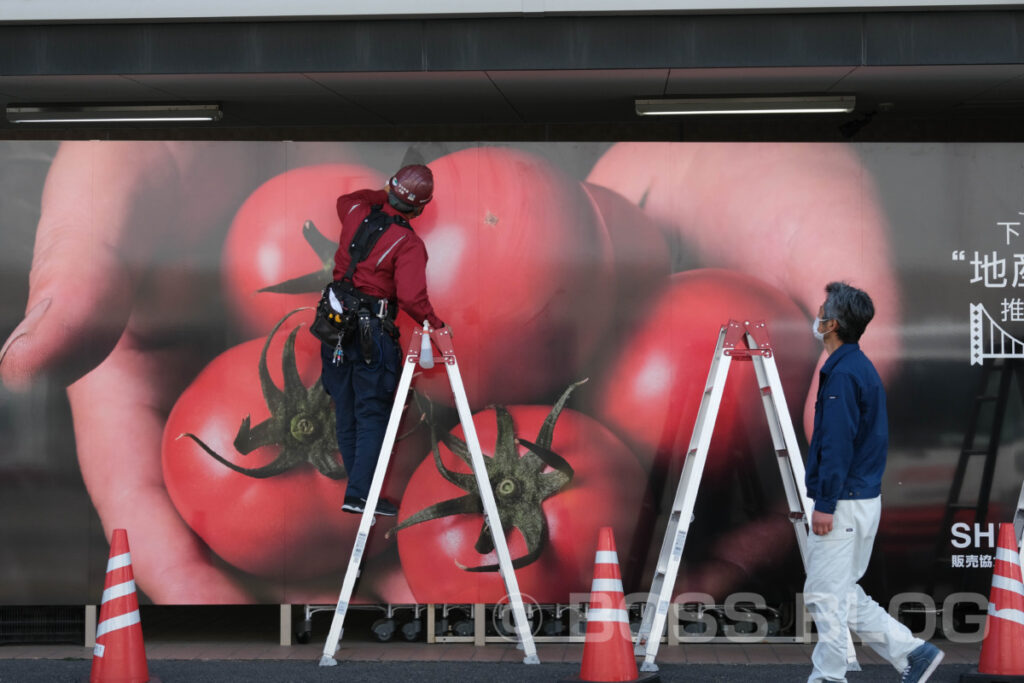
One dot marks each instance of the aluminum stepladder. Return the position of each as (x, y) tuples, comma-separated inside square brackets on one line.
[(736, 341), (419, 343)]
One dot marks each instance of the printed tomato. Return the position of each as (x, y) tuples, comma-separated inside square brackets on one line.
[(279, 251), (558, 476), (383, 581), (640, 255), (519, 267), (250, 460), (651, 394)]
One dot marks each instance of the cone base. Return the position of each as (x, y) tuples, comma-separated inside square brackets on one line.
[(978, 677), (645, 678), (152, 679)]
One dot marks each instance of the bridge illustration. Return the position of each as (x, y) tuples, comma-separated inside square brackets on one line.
[(989, 339)]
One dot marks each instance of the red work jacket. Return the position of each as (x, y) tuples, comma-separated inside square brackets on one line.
[(395, 268)]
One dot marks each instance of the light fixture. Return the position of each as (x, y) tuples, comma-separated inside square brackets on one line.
[(112, 113), (802, 104)]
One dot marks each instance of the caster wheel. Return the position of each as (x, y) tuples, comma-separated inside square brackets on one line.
[(553, 626), (383, 629), (411, 630), (463, 627)]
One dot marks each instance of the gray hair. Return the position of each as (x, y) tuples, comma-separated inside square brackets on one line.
[(851, 308)]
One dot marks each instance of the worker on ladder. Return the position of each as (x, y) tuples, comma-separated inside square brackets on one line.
[(845, 463), (380, 265)]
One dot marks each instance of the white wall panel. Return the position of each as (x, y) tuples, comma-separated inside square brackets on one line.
[(147, 10)]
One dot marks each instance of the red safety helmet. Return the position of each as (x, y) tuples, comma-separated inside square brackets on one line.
[(413, 185)]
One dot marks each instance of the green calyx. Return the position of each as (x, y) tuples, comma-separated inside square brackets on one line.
[(520, 484), (301, 421)]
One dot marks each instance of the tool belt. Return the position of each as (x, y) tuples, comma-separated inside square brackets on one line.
[(344, 311)]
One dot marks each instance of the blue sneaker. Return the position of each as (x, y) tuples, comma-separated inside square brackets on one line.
[(922, 663)]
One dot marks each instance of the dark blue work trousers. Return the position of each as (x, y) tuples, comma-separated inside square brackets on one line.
[(363, 395)]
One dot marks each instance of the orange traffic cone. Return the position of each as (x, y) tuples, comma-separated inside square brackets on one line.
[(1002, 657), (608, 648), (119, 656)]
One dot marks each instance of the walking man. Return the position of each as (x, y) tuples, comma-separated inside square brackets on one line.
[(845, 463)]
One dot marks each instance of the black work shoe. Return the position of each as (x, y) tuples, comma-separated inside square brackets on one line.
[(385, 508), (354, 505)]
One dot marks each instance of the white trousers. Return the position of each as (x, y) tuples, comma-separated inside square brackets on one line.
[(835, 563)]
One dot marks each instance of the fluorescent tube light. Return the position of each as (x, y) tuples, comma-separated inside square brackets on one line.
[(805, 104), (112, 113)]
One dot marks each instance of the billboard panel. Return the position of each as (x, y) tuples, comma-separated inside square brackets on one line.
[(161, 377)]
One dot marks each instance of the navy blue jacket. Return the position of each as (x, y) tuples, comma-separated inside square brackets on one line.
[(846, 458)]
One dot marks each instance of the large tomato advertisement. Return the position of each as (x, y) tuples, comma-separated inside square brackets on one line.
[(159, 374)]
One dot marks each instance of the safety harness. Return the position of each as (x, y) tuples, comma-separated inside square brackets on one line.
[(336, 327)]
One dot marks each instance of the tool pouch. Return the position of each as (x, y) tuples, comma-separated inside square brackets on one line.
[(333, 327)]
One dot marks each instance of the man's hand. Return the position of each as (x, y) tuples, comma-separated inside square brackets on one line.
[(120, 222), (821, 523), (704, 191)]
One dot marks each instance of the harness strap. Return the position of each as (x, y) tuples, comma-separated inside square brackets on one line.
[(367, 234)]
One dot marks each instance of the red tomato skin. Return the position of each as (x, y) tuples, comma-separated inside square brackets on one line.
[(608, 489), (287, 527), (651, 394), (640, 254), (265, 244), (520, 269)]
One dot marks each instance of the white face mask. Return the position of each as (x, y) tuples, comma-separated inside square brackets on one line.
[(814, 330)]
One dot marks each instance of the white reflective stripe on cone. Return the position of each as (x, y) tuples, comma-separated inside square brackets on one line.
[(118, 591), (118, 622), (1014, 615), (606, 585), (608, 615), (1008, 556), (606, 557), (1012, 585), (118, 561)]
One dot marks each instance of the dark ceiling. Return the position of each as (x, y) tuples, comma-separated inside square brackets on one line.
[(916, 75)]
